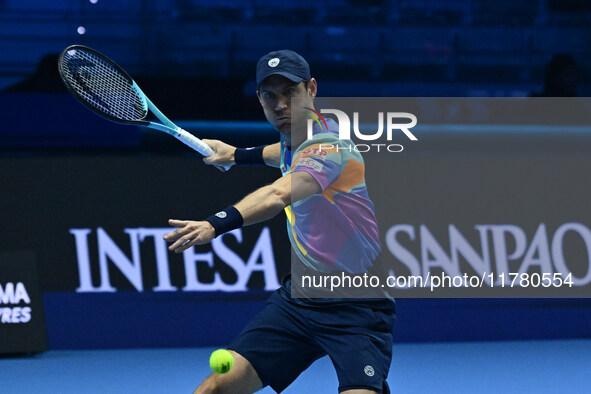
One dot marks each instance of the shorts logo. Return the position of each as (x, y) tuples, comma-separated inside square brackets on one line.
[(369, 370), (221, 214), (274, 62)]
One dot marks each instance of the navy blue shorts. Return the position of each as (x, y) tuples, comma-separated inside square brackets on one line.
[(287, 336)]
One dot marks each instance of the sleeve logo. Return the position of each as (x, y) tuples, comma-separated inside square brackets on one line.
[(310, 163), (314, 152)]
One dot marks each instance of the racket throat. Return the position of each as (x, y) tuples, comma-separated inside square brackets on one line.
[(174, 131)]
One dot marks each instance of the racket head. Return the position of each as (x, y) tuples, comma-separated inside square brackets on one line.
[(102, 85)]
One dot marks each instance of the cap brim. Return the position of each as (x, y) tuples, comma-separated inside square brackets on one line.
[(291, 77)]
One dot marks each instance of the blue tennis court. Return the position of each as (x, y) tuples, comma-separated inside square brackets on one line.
[(557, 366)]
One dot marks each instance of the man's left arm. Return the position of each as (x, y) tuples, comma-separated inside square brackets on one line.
[(262, 204)]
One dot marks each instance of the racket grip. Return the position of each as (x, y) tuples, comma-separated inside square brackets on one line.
[(194, 142)]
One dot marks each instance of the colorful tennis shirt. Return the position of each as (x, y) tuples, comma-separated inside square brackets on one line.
[(337, 229)]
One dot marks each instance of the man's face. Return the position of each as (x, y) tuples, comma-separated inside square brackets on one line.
[(275, 94)]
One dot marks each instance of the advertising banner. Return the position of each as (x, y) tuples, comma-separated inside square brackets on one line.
[(96, 222), (476, 206), (22, 324)]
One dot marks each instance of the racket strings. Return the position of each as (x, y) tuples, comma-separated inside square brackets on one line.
[(102, 86)]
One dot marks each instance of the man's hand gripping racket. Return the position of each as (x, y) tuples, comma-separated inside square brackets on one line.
[(105, 88)]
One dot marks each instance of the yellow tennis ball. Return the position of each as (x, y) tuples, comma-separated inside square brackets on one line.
[(221, 361)]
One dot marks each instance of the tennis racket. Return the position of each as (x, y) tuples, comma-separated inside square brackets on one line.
[(105, 88)]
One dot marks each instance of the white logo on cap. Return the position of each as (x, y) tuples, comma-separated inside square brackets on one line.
[(274, 62), (369, 370)]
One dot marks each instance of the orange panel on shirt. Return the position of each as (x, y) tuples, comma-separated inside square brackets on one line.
[(352, 175)]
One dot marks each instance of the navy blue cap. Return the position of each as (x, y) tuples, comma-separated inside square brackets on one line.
[(284, 62)]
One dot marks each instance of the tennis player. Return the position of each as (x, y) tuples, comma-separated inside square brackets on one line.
[(332, 228)]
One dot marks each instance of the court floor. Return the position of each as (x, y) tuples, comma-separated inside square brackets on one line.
[(557, 366)]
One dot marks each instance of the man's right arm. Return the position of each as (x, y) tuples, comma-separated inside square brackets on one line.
[(223, 154), (272, 155)]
